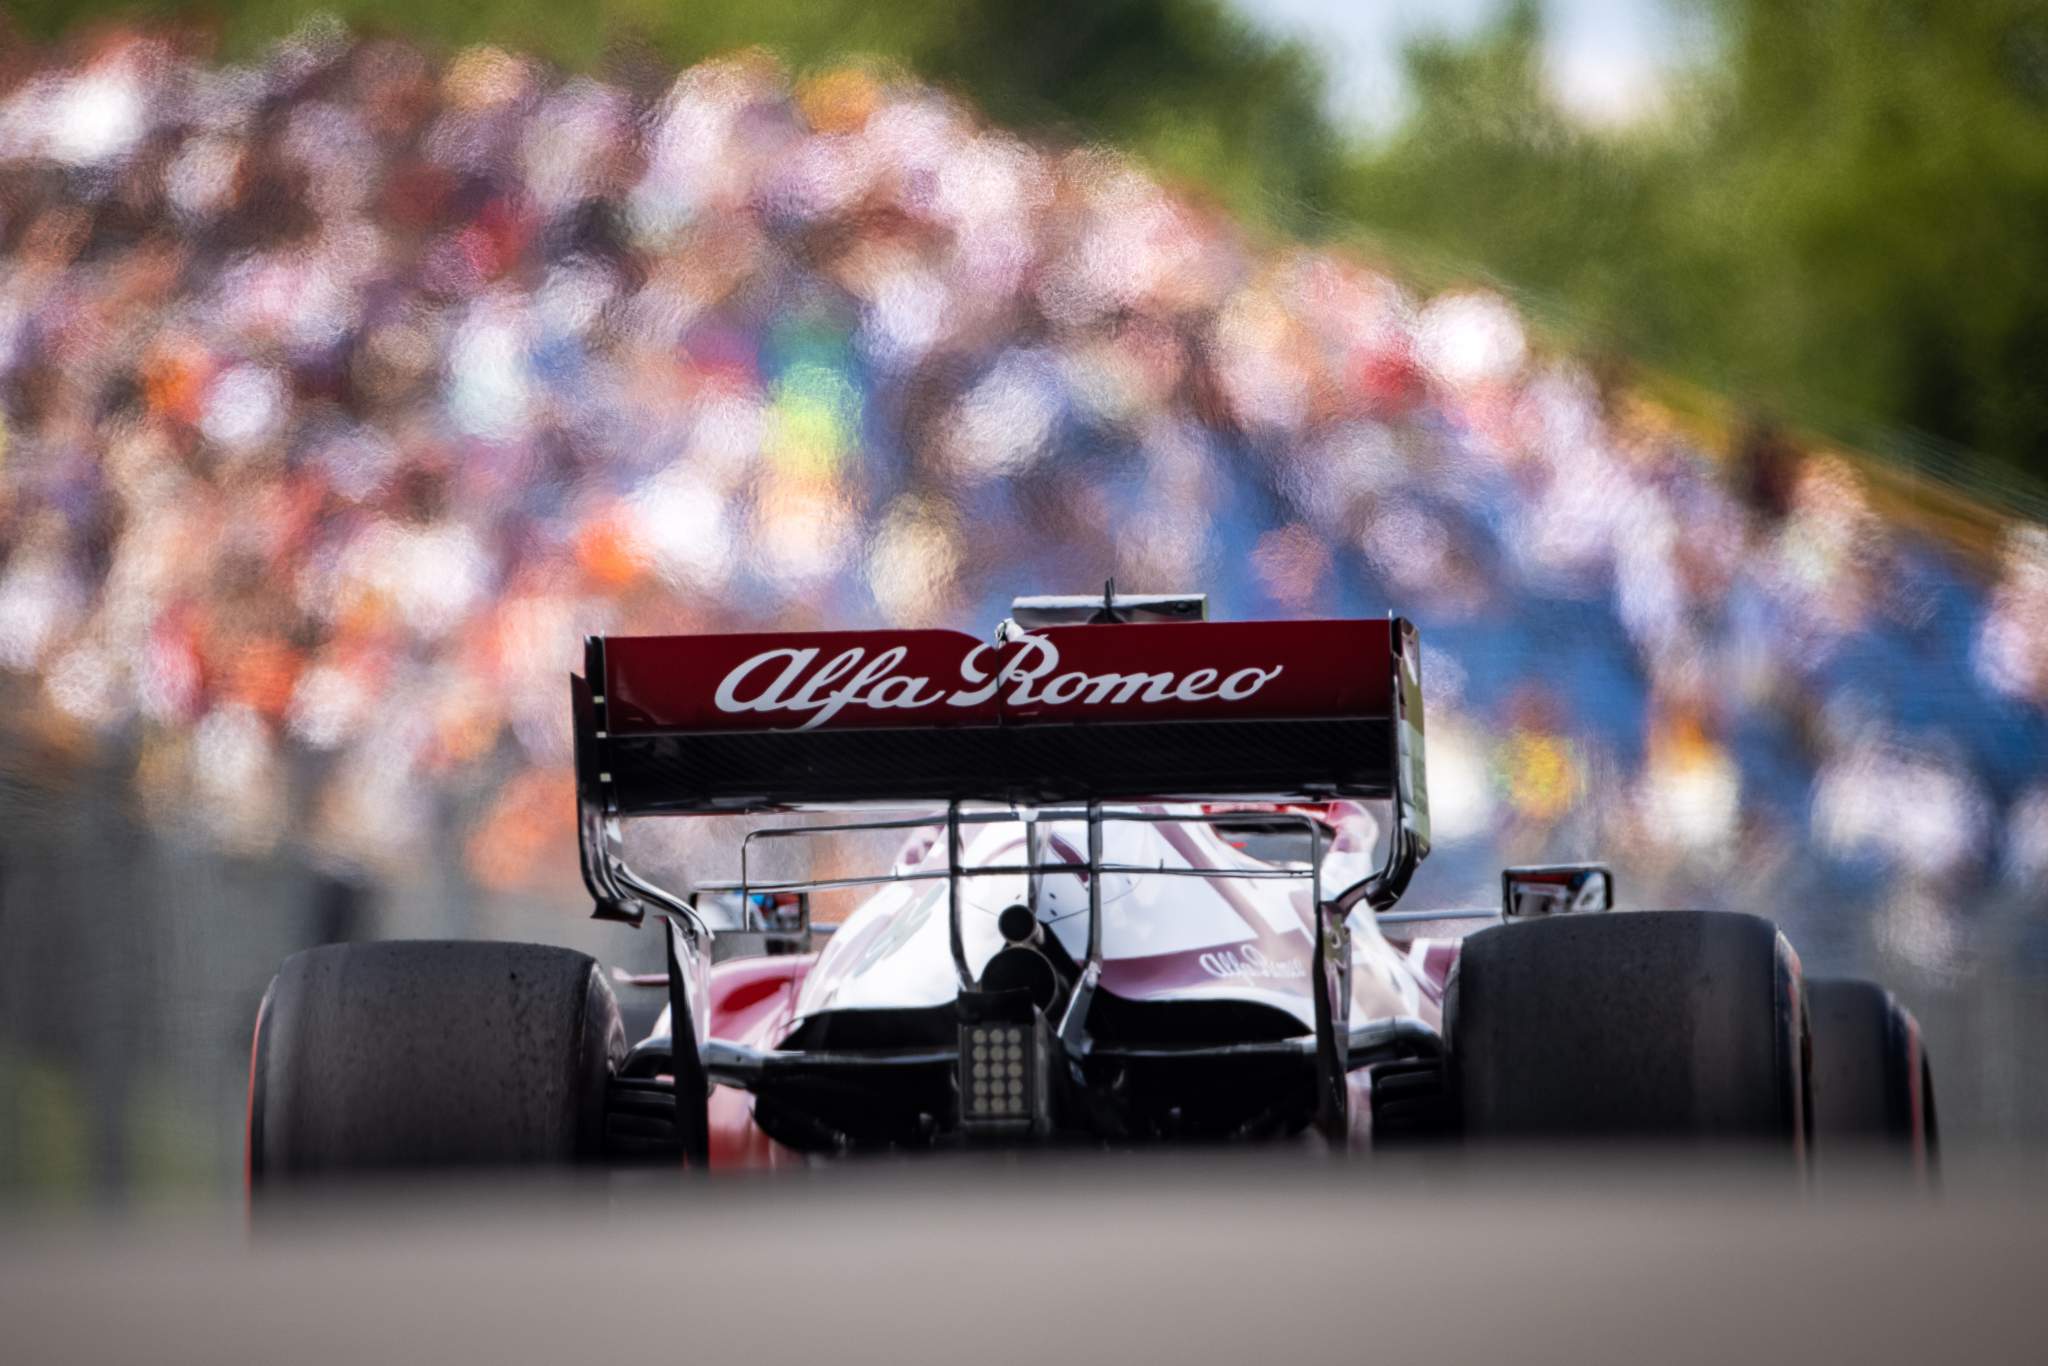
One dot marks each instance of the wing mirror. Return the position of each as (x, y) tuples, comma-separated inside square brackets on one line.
[(756, 924), (1557, 889)]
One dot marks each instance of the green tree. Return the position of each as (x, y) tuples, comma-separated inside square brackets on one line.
[(1844, 217)]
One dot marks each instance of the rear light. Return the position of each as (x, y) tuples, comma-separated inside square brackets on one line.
[(998, 1073), (1006, 1064)]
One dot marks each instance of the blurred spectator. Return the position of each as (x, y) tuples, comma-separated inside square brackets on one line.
[(341, 394)]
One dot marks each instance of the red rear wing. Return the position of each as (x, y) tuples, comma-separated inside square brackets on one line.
[(1284, 711)]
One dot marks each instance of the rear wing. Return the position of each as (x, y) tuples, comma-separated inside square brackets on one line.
[(1294, 711)]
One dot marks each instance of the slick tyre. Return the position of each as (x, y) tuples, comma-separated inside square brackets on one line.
[(1651, 1026), (1873, 1090), (424, 1054)]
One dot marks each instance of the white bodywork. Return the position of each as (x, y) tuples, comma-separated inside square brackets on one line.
[(1163, 937)]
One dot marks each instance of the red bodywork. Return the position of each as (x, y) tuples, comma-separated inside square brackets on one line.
[(948, 680), (752, 1000)]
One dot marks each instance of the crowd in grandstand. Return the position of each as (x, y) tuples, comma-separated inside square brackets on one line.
[(342, 393)]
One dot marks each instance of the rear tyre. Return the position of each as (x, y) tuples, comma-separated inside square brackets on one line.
[(420, 1054), (1655, 1026), (1873, 1090)]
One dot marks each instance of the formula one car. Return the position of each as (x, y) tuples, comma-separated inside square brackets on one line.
[(1143, 890)]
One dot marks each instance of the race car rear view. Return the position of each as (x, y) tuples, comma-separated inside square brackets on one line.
[(1143, 890)]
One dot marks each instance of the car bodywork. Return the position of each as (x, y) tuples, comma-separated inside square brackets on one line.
[(1136, 899)]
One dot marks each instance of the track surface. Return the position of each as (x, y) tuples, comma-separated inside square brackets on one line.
[(1241, 1261)]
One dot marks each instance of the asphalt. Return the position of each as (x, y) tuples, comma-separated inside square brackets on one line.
[(1265, 1260)]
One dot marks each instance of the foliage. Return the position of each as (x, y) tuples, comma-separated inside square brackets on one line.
[(1843, 219)]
